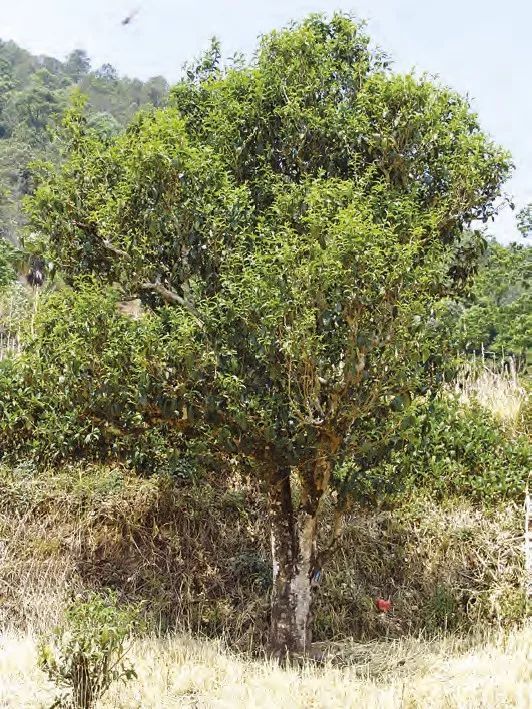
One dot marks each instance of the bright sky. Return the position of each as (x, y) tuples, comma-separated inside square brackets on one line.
[(479, 47)]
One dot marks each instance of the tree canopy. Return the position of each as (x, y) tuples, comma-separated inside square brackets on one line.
[(498, 316)]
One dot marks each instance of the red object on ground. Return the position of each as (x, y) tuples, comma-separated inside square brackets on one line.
[(382, 605)]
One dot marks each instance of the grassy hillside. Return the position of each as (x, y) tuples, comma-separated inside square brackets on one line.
[(197, 554)]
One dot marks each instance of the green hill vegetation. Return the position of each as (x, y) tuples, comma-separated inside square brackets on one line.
[(34, 92)]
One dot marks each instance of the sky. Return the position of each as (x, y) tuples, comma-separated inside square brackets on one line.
[(482, 48)]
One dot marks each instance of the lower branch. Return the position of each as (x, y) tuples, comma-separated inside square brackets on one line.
[(170, 296)]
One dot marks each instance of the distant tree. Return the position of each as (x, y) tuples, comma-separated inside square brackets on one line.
[(294, 223), (6, 85), (156, 90), (15, 182), (104, 124), (6, 78), (33, 94), (22, 63), (106, 72), (77, 64), (29, 112), (524, 220), (53, 65), (498, 316)]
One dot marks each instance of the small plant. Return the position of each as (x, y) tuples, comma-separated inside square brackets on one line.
[(442, 609), (87, 653)]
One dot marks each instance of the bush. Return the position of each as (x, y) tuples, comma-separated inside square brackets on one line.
[(87, 654), (7, 264), (458, 449), (91, 382)]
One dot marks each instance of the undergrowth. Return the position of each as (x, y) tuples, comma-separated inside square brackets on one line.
[(197, 554)]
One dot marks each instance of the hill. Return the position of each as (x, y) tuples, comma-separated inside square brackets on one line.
[(34, 91)]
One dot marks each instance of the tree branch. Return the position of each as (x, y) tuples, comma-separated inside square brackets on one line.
[(170, 296), (115, 250), (107, 243)]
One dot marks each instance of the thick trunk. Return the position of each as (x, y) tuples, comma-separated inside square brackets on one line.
[(293, 553)]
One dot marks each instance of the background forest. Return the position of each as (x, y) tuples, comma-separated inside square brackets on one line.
[(34, 92)]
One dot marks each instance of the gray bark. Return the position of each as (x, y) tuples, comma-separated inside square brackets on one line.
[(293, 537)]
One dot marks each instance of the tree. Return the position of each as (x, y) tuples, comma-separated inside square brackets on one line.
[(498, 316), (524, 220), (301, 217), (156, 89), (15, 181), (6, 85), (29, 112), (77, 64), (106, 72), (104, 124)]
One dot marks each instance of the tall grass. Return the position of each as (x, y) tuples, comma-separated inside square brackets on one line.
[(178, 671), (199, 554), (495, 386)]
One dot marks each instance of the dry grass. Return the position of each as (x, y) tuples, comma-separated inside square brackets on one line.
[(181, 672), (496, 388), (198, 555)]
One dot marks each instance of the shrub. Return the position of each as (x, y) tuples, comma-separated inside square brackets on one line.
[(458, 449), (87, 654), (7, 261), (93, 383)]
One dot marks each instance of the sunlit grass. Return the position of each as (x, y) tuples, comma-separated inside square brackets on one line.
[(497, 388), (179, 671)]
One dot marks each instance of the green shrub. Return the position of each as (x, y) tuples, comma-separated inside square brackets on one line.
[(7, 264), (455, 449), (93, 383), (87, 654), (441, 610)]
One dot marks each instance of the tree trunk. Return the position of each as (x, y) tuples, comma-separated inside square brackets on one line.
[(293, 537)]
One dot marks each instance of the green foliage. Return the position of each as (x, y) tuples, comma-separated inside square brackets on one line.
[(105, 125), (524, 220), (442, 611), (455, 450), (498, 317), (87, 654), (304, 214), (91, 381), (34, 91), (7, 264), (15, 181), (77, 64)]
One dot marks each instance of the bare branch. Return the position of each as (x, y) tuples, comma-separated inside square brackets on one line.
[(170, 296), (115, 250)]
